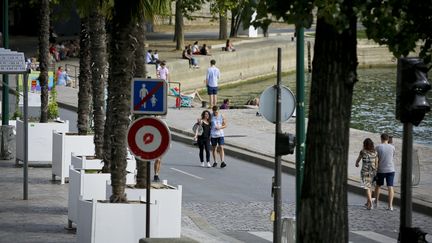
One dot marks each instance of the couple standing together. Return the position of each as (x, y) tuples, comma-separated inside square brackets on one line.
[(377, 166), (209, 129)]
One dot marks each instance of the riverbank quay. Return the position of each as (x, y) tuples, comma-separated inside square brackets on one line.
[(252, 137), (256, 58)]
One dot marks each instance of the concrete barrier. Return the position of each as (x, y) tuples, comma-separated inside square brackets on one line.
[(251, 63)]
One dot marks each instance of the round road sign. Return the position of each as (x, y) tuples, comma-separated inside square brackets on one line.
[(267, 105), (148, 138)]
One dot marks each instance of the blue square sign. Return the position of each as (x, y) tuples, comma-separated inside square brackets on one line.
[(149, 96)]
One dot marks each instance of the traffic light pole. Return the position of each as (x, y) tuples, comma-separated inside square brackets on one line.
[(300, 120), (406, 181), (277, 223)]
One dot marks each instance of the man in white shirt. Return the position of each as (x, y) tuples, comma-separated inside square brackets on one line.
[(212, 78)]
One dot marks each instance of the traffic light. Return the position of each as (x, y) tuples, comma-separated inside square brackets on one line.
[(285, 143), (412, 86)]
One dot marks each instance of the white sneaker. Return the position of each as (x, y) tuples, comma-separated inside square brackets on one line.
[(390, 208), (202, 164), (208, 164)]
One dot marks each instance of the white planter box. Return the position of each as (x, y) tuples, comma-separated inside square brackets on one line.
[(63, 145), (39, 140), (169, 201), (90, 163), (88, 186), (100, 222)]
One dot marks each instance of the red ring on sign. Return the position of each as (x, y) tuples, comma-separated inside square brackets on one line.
[(160, 126)]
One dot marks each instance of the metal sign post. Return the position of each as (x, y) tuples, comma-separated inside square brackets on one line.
[(277, 224), (12, 62), (277, 104), (148, 138)]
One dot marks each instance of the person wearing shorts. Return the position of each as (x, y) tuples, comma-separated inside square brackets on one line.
[(218, 123), (212, 78), (386, 169)]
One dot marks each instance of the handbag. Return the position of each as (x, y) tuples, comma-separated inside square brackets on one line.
[(197, 127)]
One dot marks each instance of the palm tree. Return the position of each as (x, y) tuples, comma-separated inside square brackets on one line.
[(123, 46), (98, 55), (44, 24), (140, 71), (84, 96)]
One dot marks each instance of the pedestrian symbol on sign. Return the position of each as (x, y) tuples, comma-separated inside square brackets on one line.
[(149, 96)]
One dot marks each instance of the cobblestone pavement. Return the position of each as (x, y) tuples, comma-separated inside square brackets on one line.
[(41, 218), (255, 216)]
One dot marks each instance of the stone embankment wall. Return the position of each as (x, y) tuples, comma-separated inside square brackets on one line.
[(248, 63)]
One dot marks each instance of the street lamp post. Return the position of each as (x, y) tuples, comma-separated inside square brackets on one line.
[(5, 92)]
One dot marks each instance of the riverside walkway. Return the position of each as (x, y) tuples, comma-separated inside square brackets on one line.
[(253, 136)]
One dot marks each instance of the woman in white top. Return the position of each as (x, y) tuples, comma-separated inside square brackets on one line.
[(196, 48)]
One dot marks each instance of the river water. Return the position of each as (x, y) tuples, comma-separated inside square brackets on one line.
[(374, 101)]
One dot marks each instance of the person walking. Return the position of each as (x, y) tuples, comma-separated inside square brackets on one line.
[(157, 166), (212, 78), (218, 123), (386, 169), (369, 158), (203, 139)]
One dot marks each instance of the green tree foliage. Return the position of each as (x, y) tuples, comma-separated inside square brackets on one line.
[(191, 6), (395, 23), (53, 110), (400, 24)]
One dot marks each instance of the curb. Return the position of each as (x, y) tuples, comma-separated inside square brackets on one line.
[(289, 167)]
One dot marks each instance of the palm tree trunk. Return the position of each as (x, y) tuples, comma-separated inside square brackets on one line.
[(223, 26), (107, 131), (84, 97), (123, 46), (324, 190), (179, 25), (140, 71), (44, 24), (99, 76)]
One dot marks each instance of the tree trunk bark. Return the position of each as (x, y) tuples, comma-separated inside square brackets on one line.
[(140, 71), (179, 32), (236, 21), (223, 26), (99, 77), (324, 190), (84, 96), (123, 46), (44, 25)]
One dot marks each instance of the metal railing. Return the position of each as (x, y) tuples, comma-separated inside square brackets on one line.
[(73, 72)]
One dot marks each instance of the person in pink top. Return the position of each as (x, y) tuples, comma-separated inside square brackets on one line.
[(163, 72)]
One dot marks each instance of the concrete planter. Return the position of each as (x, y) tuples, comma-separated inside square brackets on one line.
[(88, 186), (113, 222), (169, 201), (91, 163), (39, 140), (64, 144)]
